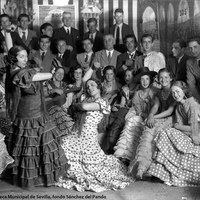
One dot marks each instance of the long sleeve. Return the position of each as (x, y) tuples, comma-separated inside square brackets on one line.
[(191, 81)]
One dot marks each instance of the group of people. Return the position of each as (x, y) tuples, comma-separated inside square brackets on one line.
[(100, 115)]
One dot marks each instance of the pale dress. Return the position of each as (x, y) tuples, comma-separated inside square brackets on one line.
[(90, 168), (176, 159)]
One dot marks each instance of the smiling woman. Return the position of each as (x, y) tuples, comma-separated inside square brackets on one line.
[(91, 169)]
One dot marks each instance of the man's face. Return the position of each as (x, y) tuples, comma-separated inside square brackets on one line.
[(44, 44), (62, 46), (23, 23), (108, 42), (92, 26), (5, 23), (177, 50), (194, 47), (48, 31), (118, 17), (67, 19), (87, 46), (130, 44), (147, 44)]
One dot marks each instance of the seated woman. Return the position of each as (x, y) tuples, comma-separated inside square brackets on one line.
[(141, 104), (158, 119), (110, 85), (117, 117), (176, 159), (57, 106), (91, 169)]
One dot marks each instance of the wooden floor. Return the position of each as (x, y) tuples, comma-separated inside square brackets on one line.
[(140, 190)]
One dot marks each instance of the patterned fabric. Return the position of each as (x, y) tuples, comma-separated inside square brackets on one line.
[(5, 159), (177, 158), (91, 169), (62, 119)]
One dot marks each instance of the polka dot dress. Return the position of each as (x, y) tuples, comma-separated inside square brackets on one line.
[(90, 169)]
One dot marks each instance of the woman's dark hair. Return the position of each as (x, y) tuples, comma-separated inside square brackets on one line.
[(184, 87), (98, 82), (12, 54), (72, 70), (12, 92), (109, 67)]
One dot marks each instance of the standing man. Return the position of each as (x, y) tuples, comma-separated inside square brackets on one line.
[(95, 35), (127, 59), (120, 30), (151, 59), (193, 68), (176, 63), (28, 36), (70, 34), (10, 37)]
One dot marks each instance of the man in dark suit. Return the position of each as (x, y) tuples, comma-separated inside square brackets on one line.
[(95, 35), (193, 68), (27, 35), (120, 30), (66, 57), (70, 34), (9, 36), (127, 60), (176, 63), (43, 57)]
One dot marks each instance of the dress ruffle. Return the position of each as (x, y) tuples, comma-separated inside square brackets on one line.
[(63, 121), (129, 138), (176, 159), (39, 159)]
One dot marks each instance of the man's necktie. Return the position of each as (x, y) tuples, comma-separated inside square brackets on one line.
[(24, 37), (60, 56), (67, 31), (117, 36), (109, 56), (43, 55), (91, 37), (86, 57)]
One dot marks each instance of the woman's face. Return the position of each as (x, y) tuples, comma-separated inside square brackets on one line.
[(92, 88), (78, 74), (177, 93), (128, 77), (22, 58), (59, 74), (145, 81), (109, 75), (165, 79)]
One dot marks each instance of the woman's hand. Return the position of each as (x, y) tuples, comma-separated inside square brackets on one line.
[(176, 126), (150, 121), (196, 139)]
